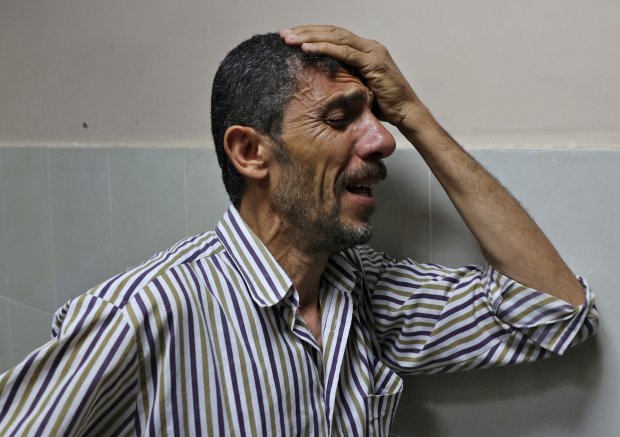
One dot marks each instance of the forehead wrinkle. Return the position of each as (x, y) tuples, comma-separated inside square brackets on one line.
[(352, 90), (304, 98), (343, 100)]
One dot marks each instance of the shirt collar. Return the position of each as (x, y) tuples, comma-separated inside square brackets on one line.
[(267, 282), (341, 270)]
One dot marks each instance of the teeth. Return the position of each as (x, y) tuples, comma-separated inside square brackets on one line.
[(370, 186)]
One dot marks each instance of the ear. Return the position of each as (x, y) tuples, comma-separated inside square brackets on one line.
[(247, 150)]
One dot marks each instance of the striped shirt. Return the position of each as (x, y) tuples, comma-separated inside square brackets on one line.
[(206, 338)]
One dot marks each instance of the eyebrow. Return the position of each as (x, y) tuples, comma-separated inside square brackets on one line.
[(348, 99)]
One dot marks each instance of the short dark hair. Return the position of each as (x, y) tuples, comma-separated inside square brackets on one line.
[(252, 87)]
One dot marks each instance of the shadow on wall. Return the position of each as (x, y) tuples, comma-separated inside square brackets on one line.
[(551, 397), (401, 220)]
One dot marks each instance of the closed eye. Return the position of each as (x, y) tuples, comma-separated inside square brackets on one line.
[(342, 110), (337, 122)]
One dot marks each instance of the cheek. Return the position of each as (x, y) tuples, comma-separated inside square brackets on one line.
[(321, 155), (329, 175)]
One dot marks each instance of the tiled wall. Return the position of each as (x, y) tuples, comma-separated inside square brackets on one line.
[(70, 218)]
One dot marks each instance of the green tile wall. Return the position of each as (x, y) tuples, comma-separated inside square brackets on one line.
[(70, 218)]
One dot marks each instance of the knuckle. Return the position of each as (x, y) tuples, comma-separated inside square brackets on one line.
[(381, 49), (339, 35), (331, 28), (381, 68)]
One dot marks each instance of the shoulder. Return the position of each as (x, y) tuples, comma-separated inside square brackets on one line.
[(157, 274), (119, 289)]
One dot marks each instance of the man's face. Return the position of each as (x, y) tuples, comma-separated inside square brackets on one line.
[(331, 160)]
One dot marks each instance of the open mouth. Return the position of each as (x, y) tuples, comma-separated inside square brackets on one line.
[(362, 181), (361, 190)]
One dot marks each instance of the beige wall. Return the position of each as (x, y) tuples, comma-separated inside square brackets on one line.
[(497, 73)]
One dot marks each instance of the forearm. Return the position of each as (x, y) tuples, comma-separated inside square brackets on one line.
[(510, 240)]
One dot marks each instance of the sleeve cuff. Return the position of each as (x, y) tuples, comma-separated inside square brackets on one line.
[(545, 319)]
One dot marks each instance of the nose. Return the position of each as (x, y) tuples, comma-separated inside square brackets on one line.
[(375, 141)]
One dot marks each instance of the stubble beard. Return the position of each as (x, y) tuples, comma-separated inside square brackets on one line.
[(316, 227)]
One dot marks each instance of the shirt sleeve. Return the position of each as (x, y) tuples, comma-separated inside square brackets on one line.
[(430, 318), (83, 382)]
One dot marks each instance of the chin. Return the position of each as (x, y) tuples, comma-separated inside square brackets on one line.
[(346, 236)]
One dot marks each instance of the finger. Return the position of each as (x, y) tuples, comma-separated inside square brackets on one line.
[(343, 53), (328, 34), (323, 33), (326, 28)]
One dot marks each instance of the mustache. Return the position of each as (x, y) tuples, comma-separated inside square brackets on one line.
[(375, 171)]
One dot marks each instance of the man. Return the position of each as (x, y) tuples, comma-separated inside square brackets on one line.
[(281, 321)]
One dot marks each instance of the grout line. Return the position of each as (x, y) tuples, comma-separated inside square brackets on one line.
[(51, 216), (109, 181), (3, 225), (9, 332), (535, 141), (430, 216), (107, 145), (15, 302), (5, 276), (185, 191)]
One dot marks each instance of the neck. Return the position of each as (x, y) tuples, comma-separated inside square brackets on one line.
[(302, 262)]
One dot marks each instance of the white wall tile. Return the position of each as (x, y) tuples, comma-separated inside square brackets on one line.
[(206, 196), (26, 210), (30, 329), (3, 278), (571, 194), (5, 336), (402, 217), (81, 219), (148, 203)]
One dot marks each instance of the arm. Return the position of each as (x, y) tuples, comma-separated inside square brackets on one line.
[(510, 240), (430, 319), (508, 237), (84, 381)]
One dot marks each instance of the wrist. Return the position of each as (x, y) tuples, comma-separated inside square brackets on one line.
[(417, 120)]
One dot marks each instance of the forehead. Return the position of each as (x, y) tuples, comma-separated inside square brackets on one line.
[(315, 89)]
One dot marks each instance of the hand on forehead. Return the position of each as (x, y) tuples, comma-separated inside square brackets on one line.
[(394, 96), (328, 40)]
